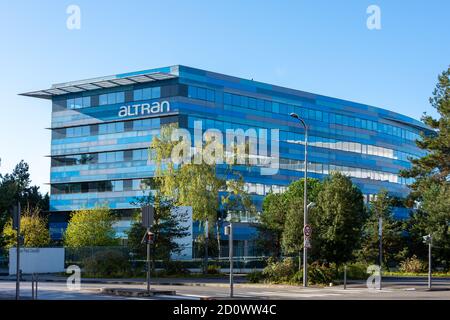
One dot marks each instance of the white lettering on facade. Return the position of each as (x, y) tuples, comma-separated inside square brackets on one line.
[(144, 109)]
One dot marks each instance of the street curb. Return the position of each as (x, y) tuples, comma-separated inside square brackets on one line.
[(136, 292)]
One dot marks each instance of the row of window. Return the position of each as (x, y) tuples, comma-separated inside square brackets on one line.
[(114, 98), (108, 128), (78, 103), (102, 157), (347, 146), (354, 172), (111, 98), (317, 115), (321, 142), (147, 94), (201, 93), (97, 186)]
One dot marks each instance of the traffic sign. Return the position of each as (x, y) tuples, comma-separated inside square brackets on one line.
[(307, 231), (148, 213), (307, 243)]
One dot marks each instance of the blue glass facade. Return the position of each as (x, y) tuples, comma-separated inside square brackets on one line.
[(101, 134)]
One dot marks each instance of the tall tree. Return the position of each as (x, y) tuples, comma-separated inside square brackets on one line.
[(431, 188), (293, 226), (433, 217), (90, 228), (337, 219), (33, 229), (392, 229), (167, 227), (435, 165), (272, 222), (15, 187)]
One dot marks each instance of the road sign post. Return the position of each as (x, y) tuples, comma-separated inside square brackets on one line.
[(16, 226), (380, 235), (229, 233), (148, 215)]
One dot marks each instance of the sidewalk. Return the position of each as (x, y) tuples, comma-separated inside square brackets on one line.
[(214, 281)]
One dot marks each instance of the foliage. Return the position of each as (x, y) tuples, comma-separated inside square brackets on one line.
[(255, 276), (272, 219), (392, 238), (16, 187), (279, 271), (321, 274), (237, 199), (108, 263), (432, 217), (199, 246), (90, 227), (213, 269), (167, 227), (413, 265), (435, 165), (33, 229), (190, 184), (176, 268), (355, 271), (292, 239), (337, 220), (282, 217)]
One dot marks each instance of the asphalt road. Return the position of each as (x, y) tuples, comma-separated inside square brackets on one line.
[(393, 289)]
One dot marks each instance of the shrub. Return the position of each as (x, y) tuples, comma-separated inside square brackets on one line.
[(213, 269), (355, 271), (279, 271), (255, 276), (297, 278), (108, 263), (175, 268), (412, 265), (321, 274)]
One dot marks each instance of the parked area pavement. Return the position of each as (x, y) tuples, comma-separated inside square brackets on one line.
[(393, 289)]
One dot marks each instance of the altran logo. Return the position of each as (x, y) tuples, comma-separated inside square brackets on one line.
[(143, 109)]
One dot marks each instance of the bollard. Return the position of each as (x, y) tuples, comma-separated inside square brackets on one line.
[(345, 277), (36, 289), (32, 288)]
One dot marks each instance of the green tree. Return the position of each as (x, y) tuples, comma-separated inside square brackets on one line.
[(393, 240), (432, 217), (435, 165), (33, 229), (337, 220), (15, 187), (167, 227), (90, 227), (292, 239), (272, 222), (430, 189)]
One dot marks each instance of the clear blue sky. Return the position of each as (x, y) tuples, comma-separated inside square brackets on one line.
[(318, 46)]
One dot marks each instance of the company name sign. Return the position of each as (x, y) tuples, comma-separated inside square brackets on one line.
[(143, 109)]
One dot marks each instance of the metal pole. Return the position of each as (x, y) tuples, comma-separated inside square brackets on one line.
[(429, 262), (305, 201), (345, 277), (230, 244), (148, 261), (18, 273), (205, 260), (380, 232), (305, 209)]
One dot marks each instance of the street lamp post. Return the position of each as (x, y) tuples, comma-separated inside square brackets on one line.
[(305, 201)]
